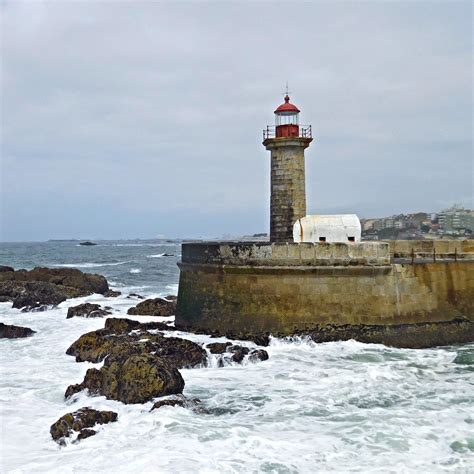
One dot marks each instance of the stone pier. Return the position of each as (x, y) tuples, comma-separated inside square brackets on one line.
[(333, 291)]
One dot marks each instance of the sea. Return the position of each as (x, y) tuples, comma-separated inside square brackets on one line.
[(338, 407)]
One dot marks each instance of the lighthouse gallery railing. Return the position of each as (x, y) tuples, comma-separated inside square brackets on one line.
[(304, 132)]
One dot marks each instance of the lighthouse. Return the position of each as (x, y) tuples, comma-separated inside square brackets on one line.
[(286, 141)]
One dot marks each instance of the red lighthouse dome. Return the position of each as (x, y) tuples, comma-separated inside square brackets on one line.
[(287, 107), (286, 119)]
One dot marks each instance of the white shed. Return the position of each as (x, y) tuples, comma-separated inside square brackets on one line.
[(335, 228)]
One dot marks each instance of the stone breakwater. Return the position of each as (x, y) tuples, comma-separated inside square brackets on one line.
[(328, 291)]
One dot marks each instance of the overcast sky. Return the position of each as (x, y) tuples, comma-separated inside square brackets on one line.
[(124, 120)]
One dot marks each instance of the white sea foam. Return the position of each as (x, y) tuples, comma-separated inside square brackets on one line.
[(335, 407), (88, 264), (158, 255), (135, 270)]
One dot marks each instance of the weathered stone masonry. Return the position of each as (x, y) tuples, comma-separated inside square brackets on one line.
[(287, 288), (288, 195)]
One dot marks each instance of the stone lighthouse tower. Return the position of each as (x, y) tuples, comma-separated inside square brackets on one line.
[(286, 141)]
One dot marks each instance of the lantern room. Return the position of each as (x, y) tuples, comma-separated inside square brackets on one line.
[(287, 119)]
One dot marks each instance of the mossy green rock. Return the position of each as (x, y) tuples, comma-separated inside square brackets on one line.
[(125, 337), (80, 421), (131, 379)]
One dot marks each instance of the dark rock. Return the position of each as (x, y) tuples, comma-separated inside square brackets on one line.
[(14, 332), (37, 309), (218, 347), (131, 379), (112, 294), (80, 421), (135, 295), (261, 339), (31, 294), (239, 353), (258, 354), (128, 337), (48, 286), (6, 268), (180, 401), (170, 402), (121, 325), (86, 433), (87, 243), (87, 310), (171, 298), (71, 279), (154, 307), (411, 336)]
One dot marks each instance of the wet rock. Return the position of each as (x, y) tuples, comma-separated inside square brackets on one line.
[(87, 310), (131, 379), (80, 421), (258, 355), (135, 295), (261, 339), (121, 325), (170, 402), (70, 278), (112, 294), (128, 337), (218, 347), (154, 307), (412, 336), (85, 433), (31, 294), (48, 286), (239, 352), (8, 331), (180, 401)]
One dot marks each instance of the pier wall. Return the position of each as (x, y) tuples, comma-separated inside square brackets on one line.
[(284, 289)]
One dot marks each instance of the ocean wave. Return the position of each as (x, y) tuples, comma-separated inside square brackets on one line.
[(135, 270), (88, 264)]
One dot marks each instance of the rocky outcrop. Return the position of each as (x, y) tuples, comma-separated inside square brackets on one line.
[(112, 294), (6, 268), (13, 332), (258, 355), (139, 365), (135, 295), (412, 336), (259, 338), (131, 379), (48, 286), (154, 307), (80, 422), (87, 310), (218, 347), (229, 352), (169, 402), (126, 337)]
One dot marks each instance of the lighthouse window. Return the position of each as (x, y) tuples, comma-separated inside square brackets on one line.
[(351, 239), (322, 239)]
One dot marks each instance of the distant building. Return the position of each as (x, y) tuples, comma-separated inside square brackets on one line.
[(456, 219)]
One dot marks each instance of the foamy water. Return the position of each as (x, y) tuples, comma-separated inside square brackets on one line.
[(334, 407)]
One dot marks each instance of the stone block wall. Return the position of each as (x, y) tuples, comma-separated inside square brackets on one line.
[(288, 195), (285, 299), (283, 253), (426, 248)]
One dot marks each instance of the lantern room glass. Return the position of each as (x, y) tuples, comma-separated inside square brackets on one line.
[(286, 118)]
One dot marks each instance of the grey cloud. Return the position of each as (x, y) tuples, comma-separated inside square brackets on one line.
[(136, 119)]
